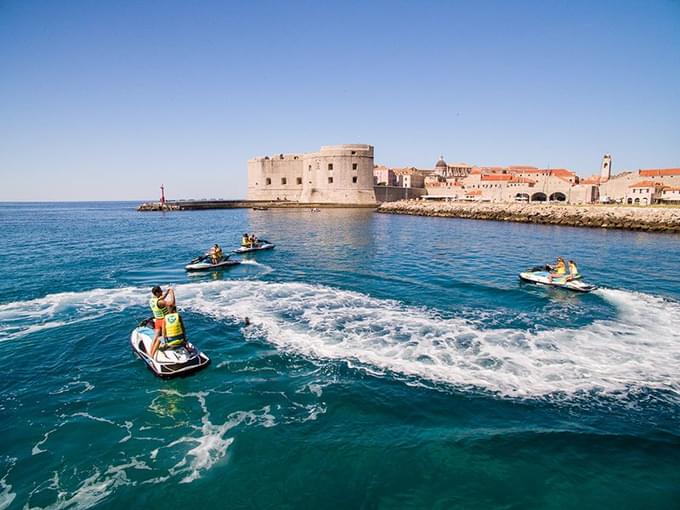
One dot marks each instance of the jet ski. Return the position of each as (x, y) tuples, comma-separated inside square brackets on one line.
[(262, 245), (541, 277), (171, 362), (205, 264)]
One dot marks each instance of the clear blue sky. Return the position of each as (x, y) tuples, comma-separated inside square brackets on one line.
[(107, 100)]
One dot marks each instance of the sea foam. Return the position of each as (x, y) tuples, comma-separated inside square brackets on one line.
[(638, 348)]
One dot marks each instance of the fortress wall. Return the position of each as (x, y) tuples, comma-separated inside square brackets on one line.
[(275, 178), (339, 174)]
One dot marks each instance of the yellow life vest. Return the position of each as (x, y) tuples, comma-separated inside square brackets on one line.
[(560, 268), (245, 241), (158, 312), (174, 333)]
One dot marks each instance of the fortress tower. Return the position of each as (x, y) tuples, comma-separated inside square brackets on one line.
[(606, 168), (338, 174)]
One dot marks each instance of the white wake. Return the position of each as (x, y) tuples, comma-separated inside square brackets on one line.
[(639, 348)]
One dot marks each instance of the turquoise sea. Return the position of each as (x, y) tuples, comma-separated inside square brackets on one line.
[(393, 362)]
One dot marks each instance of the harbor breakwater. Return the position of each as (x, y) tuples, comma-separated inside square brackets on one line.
[(197, 205), (650, 219)]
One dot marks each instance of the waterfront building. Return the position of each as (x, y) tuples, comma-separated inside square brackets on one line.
[(617, 188), (644, 193), (383, 176), (410, 177), (338, 174), (670, 195)]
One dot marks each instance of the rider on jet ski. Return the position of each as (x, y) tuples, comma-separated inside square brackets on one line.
[(173, 329), (215, 254), (159, 303)]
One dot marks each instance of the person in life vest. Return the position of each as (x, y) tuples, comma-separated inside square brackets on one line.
[(215, 254), (573, 271), (159, 303), (559, 270), (245, 241), (173, 329)]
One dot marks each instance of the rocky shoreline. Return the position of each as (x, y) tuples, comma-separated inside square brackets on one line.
[(649, 219)]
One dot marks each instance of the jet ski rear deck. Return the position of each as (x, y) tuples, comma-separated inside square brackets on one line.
[(168, 363)]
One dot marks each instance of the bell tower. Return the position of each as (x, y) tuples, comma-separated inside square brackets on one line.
[(606, 168)]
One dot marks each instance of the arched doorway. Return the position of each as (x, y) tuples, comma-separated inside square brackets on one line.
[(630, 201), (558, 197), (522, 197), (539, 197), (637, 201)]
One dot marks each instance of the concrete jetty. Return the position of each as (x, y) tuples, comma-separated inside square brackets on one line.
[(650, 219), (196, 205)]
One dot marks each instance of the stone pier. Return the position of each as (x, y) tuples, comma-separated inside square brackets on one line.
[(650, 219)]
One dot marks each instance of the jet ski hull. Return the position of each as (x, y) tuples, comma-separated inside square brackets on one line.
[(168, 363), (541, 278), (207, 266), (243, 249)]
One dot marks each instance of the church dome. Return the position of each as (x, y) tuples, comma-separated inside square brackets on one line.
[(441, 163)]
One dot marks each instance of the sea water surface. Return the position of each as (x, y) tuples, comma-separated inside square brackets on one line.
[(391, 362)]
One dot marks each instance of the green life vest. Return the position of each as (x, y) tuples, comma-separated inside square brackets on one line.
[(158, 312), (174, 333)]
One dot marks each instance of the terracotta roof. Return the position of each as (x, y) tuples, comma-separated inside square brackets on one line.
[(474, 192), (646, 184), (558, 172), (490, 169), (659, 172), (497, 177), (524, 180), (595, 179), (522, 167)]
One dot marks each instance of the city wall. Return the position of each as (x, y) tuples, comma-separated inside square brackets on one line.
[(651, 219)]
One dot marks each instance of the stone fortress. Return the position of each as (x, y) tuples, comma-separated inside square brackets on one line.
[(337, 174), (346, 174)]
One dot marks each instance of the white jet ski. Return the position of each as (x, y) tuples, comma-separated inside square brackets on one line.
[(262, 245), (171, 362), (205, 264), (541, 277)]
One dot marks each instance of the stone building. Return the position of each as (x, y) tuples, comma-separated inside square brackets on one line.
[(644, 193), (338, 174), (617, 187)]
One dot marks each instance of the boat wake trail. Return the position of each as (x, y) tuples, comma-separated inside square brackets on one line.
[(637, 349)]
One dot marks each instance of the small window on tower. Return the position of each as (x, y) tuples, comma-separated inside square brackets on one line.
[(354, 179), (355, 166), (330, 166), (284, 180), (298, 180), (330, 180), (269, 181)]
